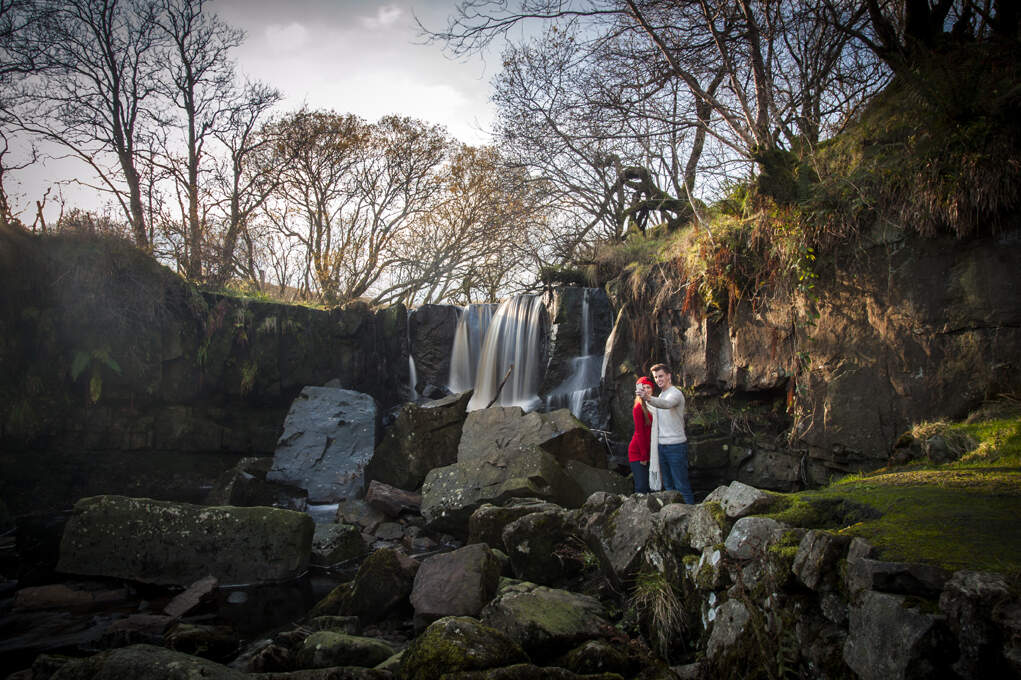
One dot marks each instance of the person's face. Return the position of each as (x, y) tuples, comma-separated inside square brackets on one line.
[(662, 379), (641, 388)]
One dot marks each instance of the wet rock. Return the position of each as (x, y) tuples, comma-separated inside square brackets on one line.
[(392, 501), (191, 597), (508, 427), (145, 661), (431, 330), (458, 583), (888, 640), (356, 511), (458, 643), (751, 537), (421, 438), (486, 524), (246, 485), (324, 649), (816, 560), (546, 622), (382, 584), (544, 547), (177, 543), (329, 436), (740, 500), (336, 543), (895, 577), (451, 494)]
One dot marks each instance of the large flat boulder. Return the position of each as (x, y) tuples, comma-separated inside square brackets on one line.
[(508, 427), (457, 583), (420, 439), (451, 494), (170, 543), (329, 437)]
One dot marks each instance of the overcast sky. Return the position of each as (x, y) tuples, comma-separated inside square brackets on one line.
[(351, 56)]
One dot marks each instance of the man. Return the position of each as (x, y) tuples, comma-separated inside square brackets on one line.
[(668, 439)]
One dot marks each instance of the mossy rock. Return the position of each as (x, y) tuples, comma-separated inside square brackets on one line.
[(145, 661), (458, 643), (325, 649)]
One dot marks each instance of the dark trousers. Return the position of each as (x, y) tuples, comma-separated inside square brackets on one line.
[(673, 465), (641, 475)]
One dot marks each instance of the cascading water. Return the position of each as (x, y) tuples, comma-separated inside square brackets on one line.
[(468, 339), (581, 388), (515, 338), (412, 373)]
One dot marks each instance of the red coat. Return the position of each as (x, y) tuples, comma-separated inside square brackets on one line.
[(638, 450)]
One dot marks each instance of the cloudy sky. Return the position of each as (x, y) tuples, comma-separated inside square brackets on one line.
[(352, 56)]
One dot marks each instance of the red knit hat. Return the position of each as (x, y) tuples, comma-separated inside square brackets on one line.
[(645, 381)]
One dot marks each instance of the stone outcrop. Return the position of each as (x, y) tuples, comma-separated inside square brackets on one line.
[(421, 438), (177, 543), (329, 436), (431, 329)]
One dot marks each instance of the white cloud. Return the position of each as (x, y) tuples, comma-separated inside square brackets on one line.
[(386, 16), (289, 38)]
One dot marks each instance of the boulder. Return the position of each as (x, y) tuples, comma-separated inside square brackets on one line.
[(546, 622), (145, 661), (458, 643), (730, 626), (431, 330), (751, 537), (672, 524), (529, 671), (595, 479), (487, 523), (210, 642), (544, 547), (246, 485), (392, 501), (707, 525), (973, 601), (356, 511), (817, 557), (710, 573), (422, 437), (740, 500), (177, 543), (508, 427), (451, 494), (619, 540), (889, 640), (458, 583), (904, 578), (325, 649), (598, 656), (336, 543), (329, 436), (382, 584)]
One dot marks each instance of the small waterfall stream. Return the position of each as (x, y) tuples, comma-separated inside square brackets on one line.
[(468, 339), (581, 388), (515, 339)]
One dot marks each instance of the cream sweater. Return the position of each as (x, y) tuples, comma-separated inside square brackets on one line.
[(667, 417)]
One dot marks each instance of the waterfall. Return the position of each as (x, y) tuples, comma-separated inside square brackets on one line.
[(412, 373), (468, 338), (515, 338), (581, 388)]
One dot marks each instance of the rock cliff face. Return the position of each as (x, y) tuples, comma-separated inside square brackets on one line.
[(112, 360), (898, 331)]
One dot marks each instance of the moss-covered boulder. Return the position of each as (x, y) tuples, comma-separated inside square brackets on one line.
[(324, 649), (381, 585), (546, 622), (545, 547), (177, 543), (528, 671), (458, 643), (335, 543), (451, 494), (487, 523), (422, 437), (145, 661)]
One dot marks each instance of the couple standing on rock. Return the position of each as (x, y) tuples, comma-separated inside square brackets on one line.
[(658, 452)]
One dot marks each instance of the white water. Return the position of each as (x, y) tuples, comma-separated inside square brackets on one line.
[(513, 342), (468, 339)]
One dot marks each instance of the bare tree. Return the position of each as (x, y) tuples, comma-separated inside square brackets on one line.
[(199, 81), (97, 79)]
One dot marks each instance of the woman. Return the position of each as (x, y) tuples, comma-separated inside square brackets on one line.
[(638, 450)]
